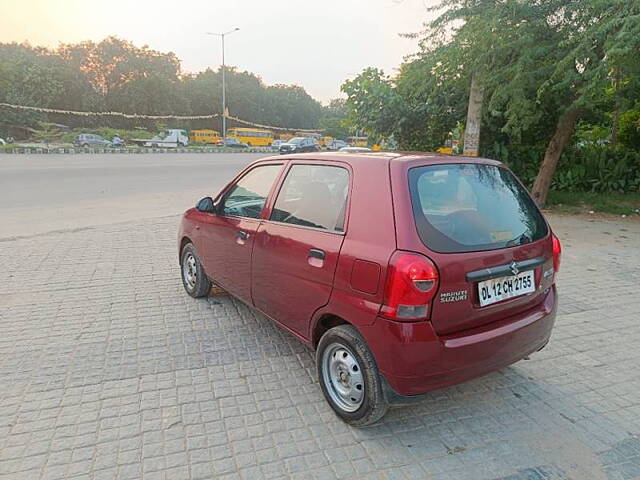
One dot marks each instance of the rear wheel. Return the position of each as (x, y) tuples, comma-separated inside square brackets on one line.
[(194, 278), (349, 377)]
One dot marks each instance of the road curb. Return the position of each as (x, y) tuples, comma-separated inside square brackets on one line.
[(127, 151)]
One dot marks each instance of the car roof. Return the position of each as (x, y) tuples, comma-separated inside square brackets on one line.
[(400, 157)]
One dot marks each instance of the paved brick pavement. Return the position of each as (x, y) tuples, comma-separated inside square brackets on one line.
[(109, 370)]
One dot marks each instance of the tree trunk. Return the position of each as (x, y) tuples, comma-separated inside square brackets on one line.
[(615, 121), (474, 114), (616, 108), (564, 130)]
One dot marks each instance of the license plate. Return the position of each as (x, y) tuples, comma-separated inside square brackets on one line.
[(498, 289)]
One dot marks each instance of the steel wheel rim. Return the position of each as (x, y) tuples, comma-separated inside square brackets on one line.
[(190, 271), (343, 378)]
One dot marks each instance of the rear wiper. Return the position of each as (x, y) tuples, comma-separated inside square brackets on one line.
[(521, 240)]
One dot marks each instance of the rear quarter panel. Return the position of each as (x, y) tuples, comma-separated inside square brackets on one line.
[(369, 242)]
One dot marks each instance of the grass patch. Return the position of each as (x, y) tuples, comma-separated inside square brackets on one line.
[(585, 202)]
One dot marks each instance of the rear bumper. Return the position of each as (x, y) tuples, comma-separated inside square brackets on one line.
[(414, 359)]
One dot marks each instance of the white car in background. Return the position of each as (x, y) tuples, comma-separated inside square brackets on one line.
[(174, 137), (2, 142), (337, 145), (275, 145)]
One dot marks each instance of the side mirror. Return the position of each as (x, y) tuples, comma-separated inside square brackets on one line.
[(206, 205)]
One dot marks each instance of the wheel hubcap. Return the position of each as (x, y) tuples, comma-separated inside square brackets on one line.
[(343, 377), (190, 271)]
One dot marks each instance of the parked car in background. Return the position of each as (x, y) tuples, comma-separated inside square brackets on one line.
[(2, 142), (232, 143), (171, 138), (299, 145), (406, 273), (336, 145), (91, 140), (325, 141), (275, 145)]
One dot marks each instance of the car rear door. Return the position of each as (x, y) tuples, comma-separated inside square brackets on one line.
[(296, 250), (490, 243), (227, 237)]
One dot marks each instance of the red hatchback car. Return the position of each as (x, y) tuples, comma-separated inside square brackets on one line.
[(406, 273)]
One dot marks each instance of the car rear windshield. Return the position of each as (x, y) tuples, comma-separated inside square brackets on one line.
[(472, 207)]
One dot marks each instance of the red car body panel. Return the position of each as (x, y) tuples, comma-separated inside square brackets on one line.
[(287, 283), (274, 272)]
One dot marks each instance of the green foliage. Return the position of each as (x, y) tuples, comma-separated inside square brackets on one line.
[(523, 160), (334, 119), (47, 133), (541, 64), (589, 134), (598, 169), (593, 168), (629, 129), (372, 103), (116, 75)]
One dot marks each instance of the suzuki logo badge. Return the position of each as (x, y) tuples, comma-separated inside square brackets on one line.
[(514, 268)]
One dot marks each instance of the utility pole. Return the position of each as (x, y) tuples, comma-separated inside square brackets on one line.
[(224, 89)]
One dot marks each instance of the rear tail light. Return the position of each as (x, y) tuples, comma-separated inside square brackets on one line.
[(412, 281), (557, 251)]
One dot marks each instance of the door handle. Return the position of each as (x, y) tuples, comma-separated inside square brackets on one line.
[(317, 253), (242, 235)]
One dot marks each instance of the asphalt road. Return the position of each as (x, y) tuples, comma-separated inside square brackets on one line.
[(44, 193)]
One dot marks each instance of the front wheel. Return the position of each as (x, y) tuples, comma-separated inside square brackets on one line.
[(349, 377), (194, 278)]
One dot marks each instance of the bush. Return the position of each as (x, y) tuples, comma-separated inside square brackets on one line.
[(629, 129), (593, 168), (598, 169), (524, 161)]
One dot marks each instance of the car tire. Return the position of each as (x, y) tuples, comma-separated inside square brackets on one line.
[(85, 145), (349, 377), (194, 278)]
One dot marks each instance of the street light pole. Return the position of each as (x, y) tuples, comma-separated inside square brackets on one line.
[(224, 90)]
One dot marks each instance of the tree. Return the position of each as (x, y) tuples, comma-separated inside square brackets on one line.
[(373, 105), (334, 119), (543, 63)]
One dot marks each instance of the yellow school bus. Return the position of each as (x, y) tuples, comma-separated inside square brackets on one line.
[(254, 137), (204, 136)]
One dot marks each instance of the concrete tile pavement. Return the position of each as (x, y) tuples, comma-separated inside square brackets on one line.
[(109, 370)]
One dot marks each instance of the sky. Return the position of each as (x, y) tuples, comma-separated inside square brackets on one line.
[(314, 44)]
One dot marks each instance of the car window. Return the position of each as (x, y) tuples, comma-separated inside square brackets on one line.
[(247, 197), (313, 196), (468, 207)]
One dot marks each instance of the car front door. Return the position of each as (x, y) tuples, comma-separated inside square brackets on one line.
[(227, 237), (296, 250)]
